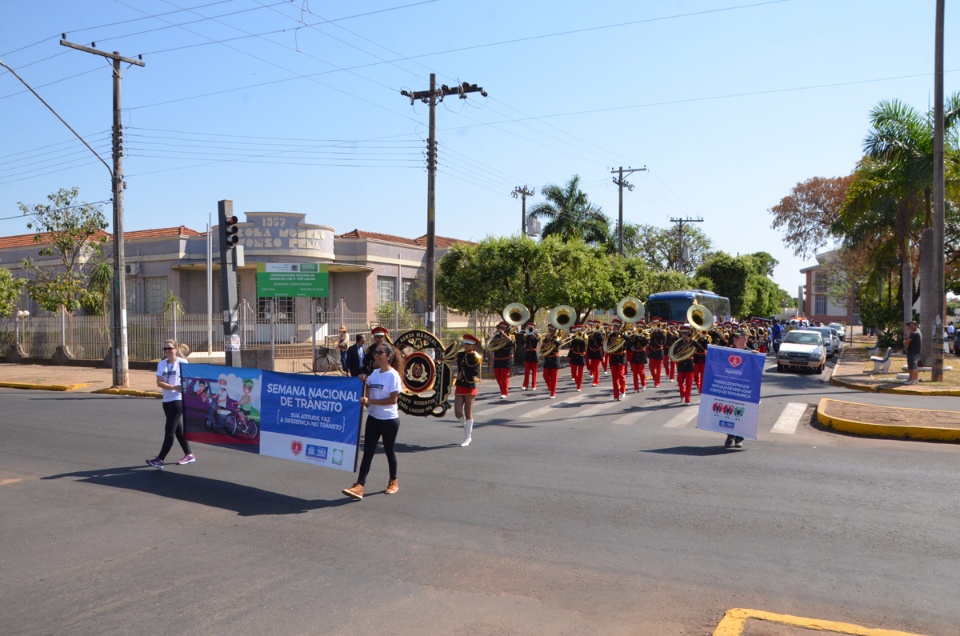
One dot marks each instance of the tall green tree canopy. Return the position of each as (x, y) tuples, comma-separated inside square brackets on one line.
[(570, 215), (10, 290), (660, 247), (73, 233)]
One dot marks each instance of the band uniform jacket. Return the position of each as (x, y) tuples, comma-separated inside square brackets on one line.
[(530, 344), (595, 346), (468, 369), (552, 361), (577, 354), (502, 358)]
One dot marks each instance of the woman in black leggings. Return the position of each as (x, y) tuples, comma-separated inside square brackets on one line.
[(168, 379), (383, 421)]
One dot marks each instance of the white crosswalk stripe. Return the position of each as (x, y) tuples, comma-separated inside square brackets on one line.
[(789, 419), (681, 419)]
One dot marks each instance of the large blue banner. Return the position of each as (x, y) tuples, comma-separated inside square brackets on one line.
[(312, 419), (730, 402)]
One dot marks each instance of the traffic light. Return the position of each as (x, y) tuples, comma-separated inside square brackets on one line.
[(229, 230)]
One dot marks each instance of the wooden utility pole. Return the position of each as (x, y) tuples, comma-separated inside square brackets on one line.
[(680, 223), (621, 183), (432, 97), (121, 364), (523, 193), (938, 295)]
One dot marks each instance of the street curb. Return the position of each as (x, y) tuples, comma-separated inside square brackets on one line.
[(867, 388), (926, 433), (129, 392), (42, 387), (735, 621)]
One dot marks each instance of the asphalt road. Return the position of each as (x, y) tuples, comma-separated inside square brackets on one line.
[(568, 516)]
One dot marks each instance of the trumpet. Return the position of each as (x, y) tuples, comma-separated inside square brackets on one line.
[(516, 314)]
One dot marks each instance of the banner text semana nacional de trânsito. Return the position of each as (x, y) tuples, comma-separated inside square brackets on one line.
[(304, 418), (730, 401)]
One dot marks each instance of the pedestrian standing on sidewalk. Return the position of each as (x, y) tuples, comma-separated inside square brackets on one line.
[(912, 342), (383, 418), (168, 379)]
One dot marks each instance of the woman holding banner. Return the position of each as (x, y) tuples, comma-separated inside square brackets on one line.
[(383, 418), (168, 379)]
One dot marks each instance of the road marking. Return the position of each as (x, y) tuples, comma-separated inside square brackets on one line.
[(789, 419), (681, 419), (7, 482), (735, 621)]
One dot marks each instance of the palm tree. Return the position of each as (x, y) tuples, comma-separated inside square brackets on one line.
[(894, 183), (570, 214)]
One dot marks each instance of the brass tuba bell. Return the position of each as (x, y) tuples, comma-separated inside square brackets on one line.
[(681, 349), (562, 316), (516, 314), (630, 310), (700, 317)]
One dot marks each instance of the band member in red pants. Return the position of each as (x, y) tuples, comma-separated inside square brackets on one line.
[(550, 351), (638, 356), (616, 348), (595, 352), (655, 351), (577, 356), (501, 345), (531, 357)]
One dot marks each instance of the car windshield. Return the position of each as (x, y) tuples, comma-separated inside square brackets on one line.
[(797, 337)]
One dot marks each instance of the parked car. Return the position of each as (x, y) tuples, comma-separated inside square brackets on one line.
[(832, 346), (802, 349), (837, 340), (841, 330)]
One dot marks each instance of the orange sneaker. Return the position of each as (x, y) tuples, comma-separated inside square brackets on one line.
[(392, 487), (355, 491)]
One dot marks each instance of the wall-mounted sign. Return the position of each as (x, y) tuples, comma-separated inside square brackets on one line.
[(293, 280)]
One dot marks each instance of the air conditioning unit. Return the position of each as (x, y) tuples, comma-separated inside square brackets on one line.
[(132, 269)]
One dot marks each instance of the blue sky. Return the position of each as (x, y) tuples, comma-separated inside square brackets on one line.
[(295, 106)]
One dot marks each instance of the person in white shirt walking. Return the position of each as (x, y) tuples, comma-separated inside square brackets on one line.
[(168, 379)]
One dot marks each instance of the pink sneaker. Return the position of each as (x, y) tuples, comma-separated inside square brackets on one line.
[(187, 459)]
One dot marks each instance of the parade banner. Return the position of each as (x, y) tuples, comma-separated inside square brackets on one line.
[(730, 401), (305, 418)]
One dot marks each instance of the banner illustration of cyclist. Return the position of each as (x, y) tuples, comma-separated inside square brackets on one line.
[(312, 419)]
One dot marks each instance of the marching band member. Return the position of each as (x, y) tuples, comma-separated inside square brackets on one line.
[(577, 355), (685, 366), (700, 360), (595, 351), (638, 357), (655, 350), (605, 360), (551, 359), (672, 336), (379, 337), (531, 343), (616, 349), (503, 347), (468, 372)]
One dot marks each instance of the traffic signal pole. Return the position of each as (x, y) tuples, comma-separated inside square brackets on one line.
[(228, 282)]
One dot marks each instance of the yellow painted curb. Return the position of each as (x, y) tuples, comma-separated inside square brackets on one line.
[(129, 392), (42, 387), (735, 620), (870, 388), (928, 433)]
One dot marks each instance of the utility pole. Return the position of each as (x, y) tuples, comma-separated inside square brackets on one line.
[(432, 97), (939, 297), (621, 183), (680, 223), (523, 193), (121, 365)]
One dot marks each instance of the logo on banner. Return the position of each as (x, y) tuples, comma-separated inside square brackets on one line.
[(426, 376), (296, 447), (317, 452), (337, 457), (735, 361), (728, 409)]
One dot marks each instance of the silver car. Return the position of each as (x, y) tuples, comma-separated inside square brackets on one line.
[(802, 349), (830, 341)]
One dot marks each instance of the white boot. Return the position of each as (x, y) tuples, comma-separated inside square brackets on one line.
[(467, 431)]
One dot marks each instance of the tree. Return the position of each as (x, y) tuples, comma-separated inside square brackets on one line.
[(575, 274), (74, 234), (10, 290), (660, 247), (729, 276), (570, 214), (808, 213)]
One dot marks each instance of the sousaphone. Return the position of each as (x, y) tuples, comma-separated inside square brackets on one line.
[(700, 317), (630, 310), (515, 314), (563, 316)]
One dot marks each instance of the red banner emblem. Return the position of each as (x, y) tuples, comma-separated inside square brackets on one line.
[(296, 447), (735, 361)]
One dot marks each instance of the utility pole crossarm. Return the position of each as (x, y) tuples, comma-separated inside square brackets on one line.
[(112, 56), (621, 183)]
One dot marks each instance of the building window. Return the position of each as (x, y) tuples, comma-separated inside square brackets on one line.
[(154, 294), (407, 299), (821, 305), (386, 290), (820, 284), (284, 309), (133, 286)]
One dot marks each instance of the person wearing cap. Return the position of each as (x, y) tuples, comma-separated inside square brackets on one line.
[(577, 356), (655, 350), (551, 359), (637, 354), (911, 346), (595, 352), (379, 336), (502, 346), (468, 372), (342, 345), (685, 367), (739, 341), (531, 359), (617, 344), (672, 336)]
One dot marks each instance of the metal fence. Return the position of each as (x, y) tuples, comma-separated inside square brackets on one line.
[(90, 337)]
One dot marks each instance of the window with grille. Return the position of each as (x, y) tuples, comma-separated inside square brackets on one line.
[(284, 306), (386, 290), (407, 299), (154, 294), (133, 287), (820, 305), (820, 285)]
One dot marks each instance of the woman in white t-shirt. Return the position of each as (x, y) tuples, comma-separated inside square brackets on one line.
[(383, 388), (168, 379)]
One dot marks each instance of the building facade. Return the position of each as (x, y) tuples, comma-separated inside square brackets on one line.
[(818, 305)]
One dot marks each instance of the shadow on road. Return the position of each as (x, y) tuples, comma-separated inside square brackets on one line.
[(246, 501), (695, 451)]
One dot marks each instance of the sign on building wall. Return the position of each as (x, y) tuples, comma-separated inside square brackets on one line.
[(292, 280)]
